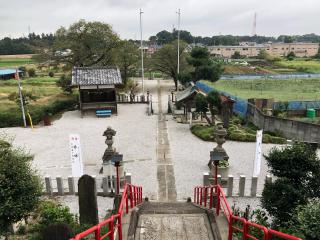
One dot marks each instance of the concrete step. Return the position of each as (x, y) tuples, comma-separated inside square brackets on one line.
[(172, 220)]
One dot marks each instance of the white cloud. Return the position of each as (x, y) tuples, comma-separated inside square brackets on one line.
[(200, 17)]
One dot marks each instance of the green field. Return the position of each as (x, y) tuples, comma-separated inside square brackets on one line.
[(279, 90), (43, 87), (311, 66), (15, 62)]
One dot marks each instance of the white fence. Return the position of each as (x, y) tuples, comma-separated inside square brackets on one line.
[(60, 186), (238, 187)]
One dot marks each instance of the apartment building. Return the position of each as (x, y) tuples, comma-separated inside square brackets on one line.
[(250, 49)]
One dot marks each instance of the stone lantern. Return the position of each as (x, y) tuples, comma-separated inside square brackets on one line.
[(218, 153), (110, 151)]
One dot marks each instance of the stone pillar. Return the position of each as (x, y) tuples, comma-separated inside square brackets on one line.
[(230, 186), (242, 184), (88, 207)]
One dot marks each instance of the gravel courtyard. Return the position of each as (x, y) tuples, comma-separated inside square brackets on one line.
[(136, 139)]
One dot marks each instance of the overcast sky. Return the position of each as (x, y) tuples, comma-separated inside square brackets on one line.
[(200, 17)]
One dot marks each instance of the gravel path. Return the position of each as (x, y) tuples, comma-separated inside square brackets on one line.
[(136, 139)]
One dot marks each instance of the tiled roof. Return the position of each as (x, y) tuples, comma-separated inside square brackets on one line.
[(188, 92), (96, 76)]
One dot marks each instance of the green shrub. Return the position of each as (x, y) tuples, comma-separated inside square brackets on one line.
[(51, 74), (13, 116), (308, 217), (32, 72), (203, 132), (51, 213)]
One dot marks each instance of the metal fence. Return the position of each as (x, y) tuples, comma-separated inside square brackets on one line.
[(296, 105), (240, 106)]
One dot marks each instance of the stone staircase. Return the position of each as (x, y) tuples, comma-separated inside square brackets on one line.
[(172, 220)]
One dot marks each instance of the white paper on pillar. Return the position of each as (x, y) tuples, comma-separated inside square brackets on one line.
[(76, 158), (257, 159)]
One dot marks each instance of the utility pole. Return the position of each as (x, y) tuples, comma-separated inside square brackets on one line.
[(142, 69), (21, 99), (178, 53)]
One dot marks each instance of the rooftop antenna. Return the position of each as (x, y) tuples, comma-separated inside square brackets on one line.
[(254, 28)]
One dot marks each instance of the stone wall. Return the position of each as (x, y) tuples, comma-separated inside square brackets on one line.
[(291, 129)]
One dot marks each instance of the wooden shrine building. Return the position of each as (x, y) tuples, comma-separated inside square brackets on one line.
[(96, 87)]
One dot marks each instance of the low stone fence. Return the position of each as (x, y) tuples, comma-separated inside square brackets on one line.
[(238, 187), (291, 129), (60, 186)]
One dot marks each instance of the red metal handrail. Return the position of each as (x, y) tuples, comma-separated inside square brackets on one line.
[(201, 197), (130, 192)]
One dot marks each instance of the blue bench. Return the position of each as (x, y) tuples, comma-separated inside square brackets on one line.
[(103, 113)]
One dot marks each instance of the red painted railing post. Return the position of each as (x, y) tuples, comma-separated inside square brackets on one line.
[(111, 228), (205, 196), (218, 200), (211, 198), (198, 195), (127, 202), (140, 194), (131, 197), (245, 229), (134, 196), (201, 196), (120, 226), (230, 228), (195, 195), (97, 233)]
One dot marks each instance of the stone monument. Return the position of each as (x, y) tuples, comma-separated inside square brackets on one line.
[(88, 207)]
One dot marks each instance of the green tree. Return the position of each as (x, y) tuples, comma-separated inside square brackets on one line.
[(236, 55), (297, 172), (31, 72), (165, 60), (91, 44), (204, 66), (126, 58), (211, 102), (214, 104), (202, 107), (291, 56), (20, 187), (164, 37), (64, 83)]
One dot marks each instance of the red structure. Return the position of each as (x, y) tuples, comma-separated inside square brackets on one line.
[(203, 196), (114, 223)]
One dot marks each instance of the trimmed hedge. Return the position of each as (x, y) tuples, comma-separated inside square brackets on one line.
[(13, 118), (235, 133)]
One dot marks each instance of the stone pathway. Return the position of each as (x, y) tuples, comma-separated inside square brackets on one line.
[(176, 221), (165, 173)]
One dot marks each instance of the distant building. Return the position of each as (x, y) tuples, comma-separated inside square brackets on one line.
[(250, 49), (6, 74)]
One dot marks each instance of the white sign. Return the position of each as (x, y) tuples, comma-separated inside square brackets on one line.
[(257, 160), (76, 159)]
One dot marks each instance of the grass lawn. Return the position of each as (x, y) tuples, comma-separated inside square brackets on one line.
[(280, 90), (43, 87), (311, 66), (15, 62)]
